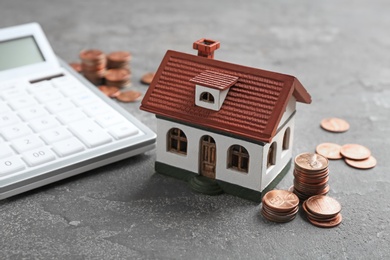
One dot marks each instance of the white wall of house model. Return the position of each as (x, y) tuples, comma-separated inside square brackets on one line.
[(258, 175)]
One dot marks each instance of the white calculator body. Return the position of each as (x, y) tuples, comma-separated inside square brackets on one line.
[(53, 123)]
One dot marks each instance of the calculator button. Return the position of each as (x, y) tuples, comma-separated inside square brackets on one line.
[(9, 118), (69, 116), (12, 92), (43, 123), (5, 150), (4, 108), (109, 119), (89, 133), (46, 96), (68, 147), (123, 130), (55, 134), (96, 108), (40, 87), (27, 143), (59, 105), (11, 164), (84, 98), (22, 102), (38, 156), (32, 112), (15, 131)]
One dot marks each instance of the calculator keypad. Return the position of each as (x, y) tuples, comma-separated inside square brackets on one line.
[(50, 120)]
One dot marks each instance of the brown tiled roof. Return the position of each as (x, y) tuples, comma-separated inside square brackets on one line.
[(253, 106)]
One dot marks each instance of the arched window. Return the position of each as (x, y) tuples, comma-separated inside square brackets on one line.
[(238, 158), (177, 141), (207, 97), (271, 158), (286, 139)]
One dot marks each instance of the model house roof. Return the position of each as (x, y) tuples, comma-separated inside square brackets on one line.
[(253, 107)]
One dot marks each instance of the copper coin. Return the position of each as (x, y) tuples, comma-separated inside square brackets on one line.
[(329, 150), (119, 56), (368, 163), (109, 91), (311, 162), (355, 151), (280, 200), (117, 75), (129, 96), (323, 205), (327, 224), (147, 78), (336, 125), (91, 55), (315, 217), (76, 66)]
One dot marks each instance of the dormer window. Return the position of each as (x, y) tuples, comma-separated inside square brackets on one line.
[(211, 88), (207, 97)]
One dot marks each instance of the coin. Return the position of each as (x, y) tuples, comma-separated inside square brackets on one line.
[(323, 206), (119, 56), (311, 162), (336, 125), (110, 91), (76, 66), (280, 200), (147, 78), (355, 151), (129, 96), (320, 220), (91, 55), (93, 65), (368, 163), (117, 74), (329, 150)]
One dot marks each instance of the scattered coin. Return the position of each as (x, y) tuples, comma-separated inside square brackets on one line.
[(355, 151), (129, 96), (368, 163), (329, 150), (76, 66), (280, 206), (335, 125), (147, 78), (110, 91)]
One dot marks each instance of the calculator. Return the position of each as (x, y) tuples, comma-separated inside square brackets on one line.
[(53, 123)]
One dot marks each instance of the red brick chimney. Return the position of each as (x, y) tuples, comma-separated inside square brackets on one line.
[(206, 47)]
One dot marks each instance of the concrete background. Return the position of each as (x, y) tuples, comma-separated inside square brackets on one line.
[(339, 50)]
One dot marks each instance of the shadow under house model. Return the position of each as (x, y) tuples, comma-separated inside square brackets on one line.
[(220, 126)]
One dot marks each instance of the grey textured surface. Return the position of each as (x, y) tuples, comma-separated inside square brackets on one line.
[(339, 50)]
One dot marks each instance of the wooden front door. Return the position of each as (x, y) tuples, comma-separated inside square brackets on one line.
[(208, 157)]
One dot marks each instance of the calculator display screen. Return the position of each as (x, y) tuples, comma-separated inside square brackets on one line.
[(19, 52)]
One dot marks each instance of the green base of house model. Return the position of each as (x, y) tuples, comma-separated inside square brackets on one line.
[(209, 186)]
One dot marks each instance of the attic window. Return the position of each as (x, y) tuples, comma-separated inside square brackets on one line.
[(207, 97)]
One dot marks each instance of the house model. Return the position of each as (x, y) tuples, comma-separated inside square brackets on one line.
[(220, 126)]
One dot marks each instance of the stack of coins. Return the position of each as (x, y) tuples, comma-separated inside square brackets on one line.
[(322, 211), (311, 175), (118, 78), (119, 60), (93, 65), (279, 206)]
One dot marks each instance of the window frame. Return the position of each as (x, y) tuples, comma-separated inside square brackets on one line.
[(176, 135), (238, 158)]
